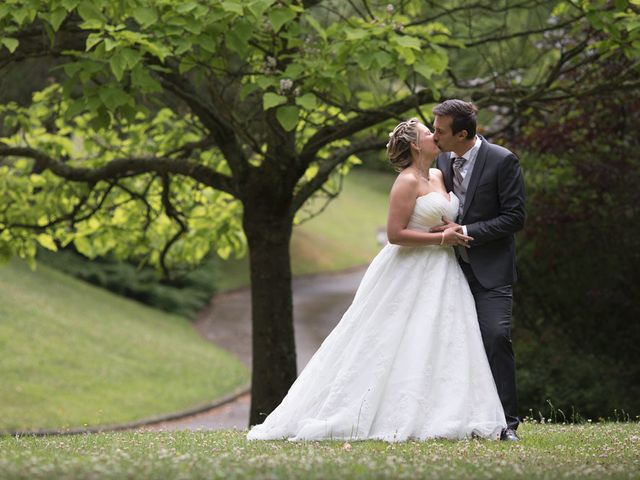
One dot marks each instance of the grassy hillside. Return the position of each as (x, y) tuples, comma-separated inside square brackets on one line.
[(74, 355), (342, 236)]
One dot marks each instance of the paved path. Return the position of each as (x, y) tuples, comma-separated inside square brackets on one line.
[(318, 302)]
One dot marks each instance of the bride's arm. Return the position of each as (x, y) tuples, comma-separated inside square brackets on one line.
[(401, 203)]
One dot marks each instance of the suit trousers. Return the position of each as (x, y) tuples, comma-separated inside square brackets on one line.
[(494, 307)]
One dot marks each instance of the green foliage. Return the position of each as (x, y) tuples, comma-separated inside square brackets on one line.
[(75, 355), (579, 257), (286, 61), (143, 79), (125, 218), (184, 295), (595, 452)]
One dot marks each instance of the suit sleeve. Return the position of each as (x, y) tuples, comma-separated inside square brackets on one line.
[(511, 213)]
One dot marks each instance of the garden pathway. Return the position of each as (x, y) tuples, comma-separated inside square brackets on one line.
[(318, 301)]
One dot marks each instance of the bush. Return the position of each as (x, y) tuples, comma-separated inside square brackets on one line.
[(576, 318), (184, 295)]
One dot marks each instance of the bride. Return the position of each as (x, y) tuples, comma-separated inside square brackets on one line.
[(406, 360)]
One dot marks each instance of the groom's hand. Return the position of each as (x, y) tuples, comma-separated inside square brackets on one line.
[(453, 233), (447, 224)]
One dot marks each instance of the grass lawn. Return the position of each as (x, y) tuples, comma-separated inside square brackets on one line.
[(76, 355), (545, 452), (342, 236)]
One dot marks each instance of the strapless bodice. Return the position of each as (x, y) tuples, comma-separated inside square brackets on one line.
[(430, 209)]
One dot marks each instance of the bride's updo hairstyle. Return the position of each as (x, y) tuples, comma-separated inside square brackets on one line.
[(400, 140)]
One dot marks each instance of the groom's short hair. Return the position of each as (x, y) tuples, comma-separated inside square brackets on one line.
[(463, 115)]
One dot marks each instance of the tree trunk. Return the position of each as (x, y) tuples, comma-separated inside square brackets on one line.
[(274, 353)]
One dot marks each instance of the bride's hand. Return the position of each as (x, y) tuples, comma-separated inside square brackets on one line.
[(454, 236)]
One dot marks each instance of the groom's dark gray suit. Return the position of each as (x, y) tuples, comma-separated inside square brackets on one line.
[(493, 212)]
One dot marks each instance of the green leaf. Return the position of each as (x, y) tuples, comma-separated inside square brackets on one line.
[(356, 33), (407, 55), (22, 13), (10, 43), (408, 42), (208, 43), (423, 69), (157, 50), (118, 63), (270, 100), (145, 16), (70, 4), (364, 59), (266, 81), (4, 11), (186, 64), (307, 101), (75, 109), (92, 40), (89, 12), (293, 71), (56, 18), (258, 7), (131, 56), (38, 181), (316, 26), (47, 242), (112, 97), (621, 4), (288, 117), (142, 79), (84, 246), (247, 89), (186, 7), (110, 44), (435, 59), (383, 59), (238, 37), (232, 6), (279, 16)]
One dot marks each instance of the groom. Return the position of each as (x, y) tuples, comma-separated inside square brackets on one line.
[(488, 181)]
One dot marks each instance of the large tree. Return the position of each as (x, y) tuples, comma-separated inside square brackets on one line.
[(170, 127)]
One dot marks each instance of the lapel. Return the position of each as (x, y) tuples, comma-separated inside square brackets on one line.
[(478, 166)]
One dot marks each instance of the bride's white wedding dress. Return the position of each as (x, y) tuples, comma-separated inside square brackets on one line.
[(405, 362)]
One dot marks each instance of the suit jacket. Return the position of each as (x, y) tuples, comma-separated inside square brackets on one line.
[(493, 212)]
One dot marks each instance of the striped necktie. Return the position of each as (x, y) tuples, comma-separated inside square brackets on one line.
[(458, 163)]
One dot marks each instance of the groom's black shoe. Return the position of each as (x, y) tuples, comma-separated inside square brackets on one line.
[(509, 435)]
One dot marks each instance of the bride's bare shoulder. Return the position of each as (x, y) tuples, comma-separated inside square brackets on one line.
[(406, 180), (407, 177)]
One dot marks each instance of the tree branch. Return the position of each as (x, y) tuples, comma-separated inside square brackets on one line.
[(173, 214), (523, 33), (331, 133), (490, 7), (34, 42), (225, 137), (327, 166), (127, 167)]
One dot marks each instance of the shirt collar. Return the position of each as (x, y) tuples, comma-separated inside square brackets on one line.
[(471, 152)]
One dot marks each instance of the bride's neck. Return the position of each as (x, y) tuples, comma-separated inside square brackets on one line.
[(422, 167)]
